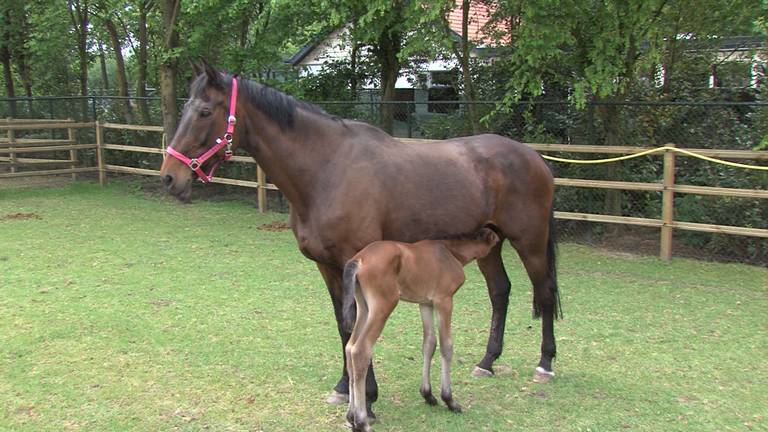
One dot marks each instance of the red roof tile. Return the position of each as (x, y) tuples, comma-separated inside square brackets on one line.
[(479, 15)]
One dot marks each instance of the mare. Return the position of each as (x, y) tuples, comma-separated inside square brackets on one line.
[(428, 272), (350, 184)]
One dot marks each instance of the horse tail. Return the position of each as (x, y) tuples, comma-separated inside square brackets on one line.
[(349, 284), (551, 268)]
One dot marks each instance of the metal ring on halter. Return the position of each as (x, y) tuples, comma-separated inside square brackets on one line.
[(194, 164), (232, 120), (228, 137)]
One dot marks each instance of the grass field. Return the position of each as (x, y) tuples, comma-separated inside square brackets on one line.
[(126, 311)]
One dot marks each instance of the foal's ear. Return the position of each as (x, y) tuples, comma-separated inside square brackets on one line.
[(490, 236)]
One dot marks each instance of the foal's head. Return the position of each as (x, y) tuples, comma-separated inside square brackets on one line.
[(473, 247), (203, 119)]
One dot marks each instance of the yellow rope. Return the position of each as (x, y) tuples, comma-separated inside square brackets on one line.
[(656, 150)]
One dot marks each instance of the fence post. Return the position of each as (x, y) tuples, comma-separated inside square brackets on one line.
[(72, 153), (667, 205), (11, 141), (261, 192), (409, 118), (100, 152), (51, 116)]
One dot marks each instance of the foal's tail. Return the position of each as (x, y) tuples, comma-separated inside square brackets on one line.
[(349, 284)]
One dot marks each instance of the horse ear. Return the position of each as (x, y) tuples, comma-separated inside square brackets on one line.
[(196, 67), (213, 75)]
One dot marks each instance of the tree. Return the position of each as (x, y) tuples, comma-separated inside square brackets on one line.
[(603, 51), (107, 15), (79, 17), (169, 10)]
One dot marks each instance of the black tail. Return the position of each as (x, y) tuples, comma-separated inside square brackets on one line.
[(551, 269), (349, 284)]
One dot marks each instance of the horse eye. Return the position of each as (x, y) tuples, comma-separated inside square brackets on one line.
[(205, 112)]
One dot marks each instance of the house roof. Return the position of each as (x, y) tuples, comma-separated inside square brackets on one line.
[(299, 55), (479, 17)]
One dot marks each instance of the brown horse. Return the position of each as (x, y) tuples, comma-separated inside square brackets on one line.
[(350, 184), (429, 273)]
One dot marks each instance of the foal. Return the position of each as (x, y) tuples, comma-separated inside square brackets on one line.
[(429, 273)]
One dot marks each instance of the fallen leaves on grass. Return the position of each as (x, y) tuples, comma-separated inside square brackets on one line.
[(20, 216), (275, 226)]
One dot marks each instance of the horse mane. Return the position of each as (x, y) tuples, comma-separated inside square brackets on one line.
[(276, 105)]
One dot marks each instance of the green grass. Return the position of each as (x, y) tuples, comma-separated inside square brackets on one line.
[(124, 311)]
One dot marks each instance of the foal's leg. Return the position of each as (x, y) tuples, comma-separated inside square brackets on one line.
[(360, 321), (428, 351), (497, 280), (340, 393), (444, 311), (361, 353)]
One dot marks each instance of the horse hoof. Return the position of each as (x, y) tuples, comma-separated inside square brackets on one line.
[(454, 407), (479, 372), (542, 376), (429, 398), (336, 398)]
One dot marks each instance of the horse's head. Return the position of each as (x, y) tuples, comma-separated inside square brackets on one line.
[(203, 129)]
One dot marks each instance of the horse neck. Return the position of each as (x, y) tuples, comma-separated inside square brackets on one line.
[(293, 158)]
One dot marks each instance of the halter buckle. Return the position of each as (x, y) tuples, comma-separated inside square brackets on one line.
[(194, 164), (232, 120)]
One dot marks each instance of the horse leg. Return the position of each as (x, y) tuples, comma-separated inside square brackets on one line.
[(497, 280), (539, 264), (444, 311), (340, 394), (428, 351)]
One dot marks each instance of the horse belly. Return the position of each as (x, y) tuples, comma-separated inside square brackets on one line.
[(447, 207)]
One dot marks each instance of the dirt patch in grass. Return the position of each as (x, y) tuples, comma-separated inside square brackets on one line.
[(275, 226), (20, 216)]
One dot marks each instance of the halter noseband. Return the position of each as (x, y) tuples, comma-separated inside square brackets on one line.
[(195, 164)]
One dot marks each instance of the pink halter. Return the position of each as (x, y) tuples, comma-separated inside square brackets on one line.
[(195, 164)]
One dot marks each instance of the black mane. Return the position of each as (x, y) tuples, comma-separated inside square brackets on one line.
[(278, 106)]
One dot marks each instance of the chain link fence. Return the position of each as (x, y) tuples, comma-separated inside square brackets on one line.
[(691, 125)]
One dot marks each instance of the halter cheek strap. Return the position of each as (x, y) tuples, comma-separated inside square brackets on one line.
[(195, 164)]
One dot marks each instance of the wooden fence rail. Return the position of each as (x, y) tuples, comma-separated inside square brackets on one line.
[(12, 146)]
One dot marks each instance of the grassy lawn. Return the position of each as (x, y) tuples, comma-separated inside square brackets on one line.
[(126, 311)]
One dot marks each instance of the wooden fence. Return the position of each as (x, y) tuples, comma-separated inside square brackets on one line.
[(668, 188)]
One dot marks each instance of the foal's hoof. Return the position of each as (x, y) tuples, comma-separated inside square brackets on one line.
[(542, 376), (479, 372), (336, 398)]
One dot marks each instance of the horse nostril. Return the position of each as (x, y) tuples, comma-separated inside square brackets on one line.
[(167, 180)]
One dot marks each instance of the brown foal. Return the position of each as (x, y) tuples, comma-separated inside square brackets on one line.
[(427, 272)]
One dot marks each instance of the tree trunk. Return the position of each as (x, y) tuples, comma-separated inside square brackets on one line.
[(353, 66), (25, 72), (5, 57), (389, 44), (610, 118), (104, 75), (121, 78), (141, 60), (78, 12), (462, 53), (169, 11)]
